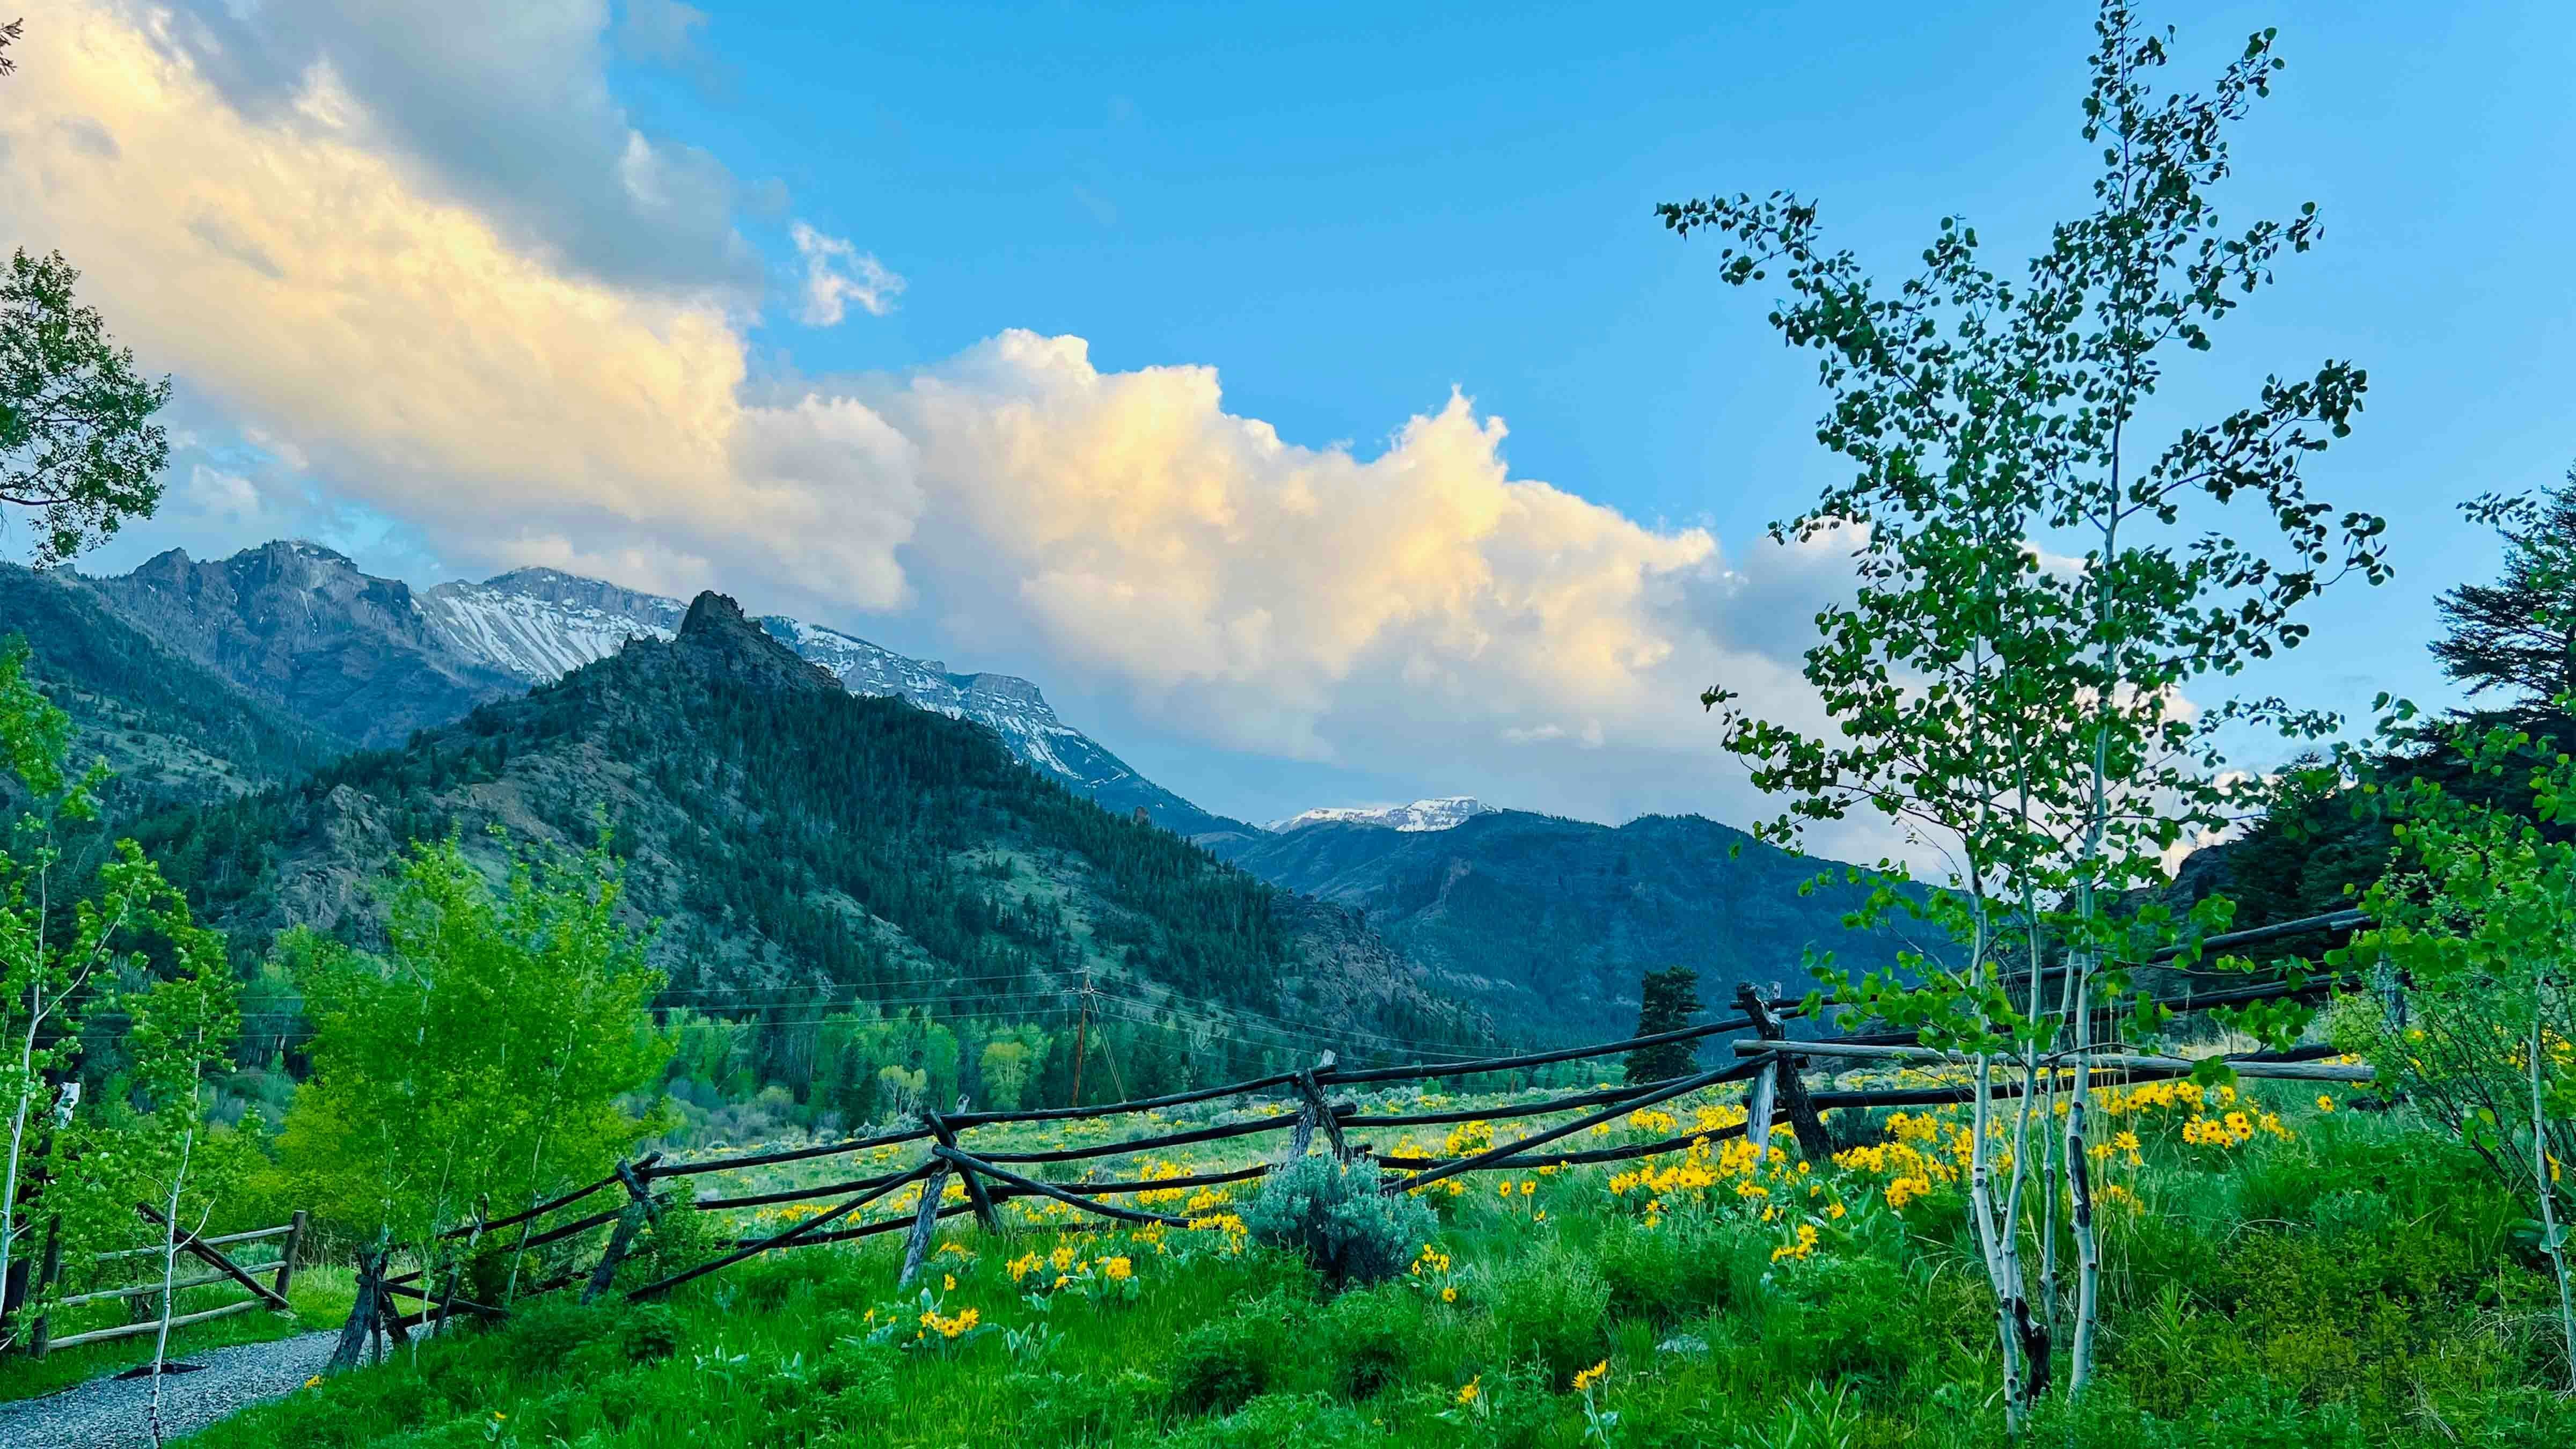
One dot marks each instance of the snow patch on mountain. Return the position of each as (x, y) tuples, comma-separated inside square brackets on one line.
[(1446, 813), (1006, 704), (540, 625)]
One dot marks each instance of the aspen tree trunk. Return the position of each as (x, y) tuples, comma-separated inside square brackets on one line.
[(2550, 1238), (169, 1275), (1995, 1248)]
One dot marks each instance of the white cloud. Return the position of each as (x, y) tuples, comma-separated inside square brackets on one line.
[(836, 274), (503, 106), (293, 269)]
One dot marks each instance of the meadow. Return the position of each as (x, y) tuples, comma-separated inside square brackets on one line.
[(2281, 1269)]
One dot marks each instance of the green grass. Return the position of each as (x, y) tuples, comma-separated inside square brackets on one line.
[(320, 1296), (2357, 1284)]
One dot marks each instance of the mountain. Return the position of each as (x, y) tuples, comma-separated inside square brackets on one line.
[(170, 728), (537, 624), (298, 627), (1446, 813), (808, 848), (1550, 921), (366, 661), (540, 624)]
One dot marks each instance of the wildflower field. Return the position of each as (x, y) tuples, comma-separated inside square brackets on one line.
[(2283, 1269)]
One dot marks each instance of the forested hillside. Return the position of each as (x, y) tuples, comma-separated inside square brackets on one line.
[(835, 871), (1549, 921)]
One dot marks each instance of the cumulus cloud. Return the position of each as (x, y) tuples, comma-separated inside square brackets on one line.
[(1412, 606), (293, 268), (837, 274), (504, 107)]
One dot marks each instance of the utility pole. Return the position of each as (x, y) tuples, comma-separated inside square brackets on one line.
[(1080, 1026)]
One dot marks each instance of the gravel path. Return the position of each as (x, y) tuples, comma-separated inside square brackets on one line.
[(108, 1413)]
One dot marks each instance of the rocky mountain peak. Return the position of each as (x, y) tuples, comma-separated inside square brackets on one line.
[(717, 638)]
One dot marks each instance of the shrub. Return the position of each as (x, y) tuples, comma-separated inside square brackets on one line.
[(1663, 1274), (1334, 1215), (1368, 1335), (1217, 1367), (1079, 1409), (545, 1333), (649, 1333), (1854, 1316), (1552, 1308)]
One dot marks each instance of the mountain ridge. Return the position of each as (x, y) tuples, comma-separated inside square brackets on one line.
[(1549, 920), (367, 660), (801, 843), (1446, 812)]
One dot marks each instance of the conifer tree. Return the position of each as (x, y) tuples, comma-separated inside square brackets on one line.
[(1667, 1000), (2519, 633)]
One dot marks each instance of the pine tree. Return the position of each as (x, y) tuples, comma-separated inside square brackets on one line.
[(1667, 1000), (2519, 633)]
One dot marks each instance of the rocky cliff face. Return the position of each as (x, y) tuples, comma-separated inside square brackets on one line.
[(298, 626)]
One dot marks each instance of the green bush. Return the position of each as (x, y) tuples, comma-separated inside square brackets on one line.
[(1370, 1337), (1847, 1317), (545, 1333), (1078, 1409), (1334, 1216), (1553, 1308), (1664, 1274), (649, 1333), (1217, 1366)]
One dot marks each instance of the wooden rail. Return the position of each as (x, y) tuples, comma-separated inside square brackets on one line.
[(1770, 1057), (270, 1295)]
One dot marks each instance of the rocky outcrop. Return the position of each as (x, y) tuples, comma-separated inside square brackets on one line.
[(298, 626)]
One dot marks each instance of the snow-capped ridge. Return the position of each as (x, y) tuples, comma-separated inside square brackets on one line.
[(1446, 813)]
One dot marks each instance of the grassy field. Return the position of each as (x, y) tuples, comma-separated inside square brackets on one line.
[(2280, 1272)]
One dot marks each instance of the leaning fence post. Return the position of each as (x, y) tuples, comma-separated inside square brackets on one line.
[(975, 1192), (286, 1255), (1312, 1110), (639, 1211), (40, 1333), (351, 1350), (1813, 1141), (924, 1223)]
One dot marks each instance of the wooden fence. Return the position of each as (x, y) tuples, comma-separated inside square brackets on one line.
[(207, 1252), (1773, 1063)]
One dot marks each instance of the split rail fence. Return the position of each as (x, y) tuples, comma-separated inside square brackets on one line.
[(1771, 1062), (218, 1252)]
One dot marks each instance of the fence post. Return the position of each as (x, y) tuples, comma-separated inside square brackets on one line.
[(639, 1211), (1312, 1110), (1791, 1089), (40, 1333), (924, 1223), (975, 1192), (286, 1255), (351, 1350)]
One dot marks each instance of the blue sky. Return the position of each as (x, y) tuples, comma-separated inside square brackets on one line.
[(1346, 214)]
